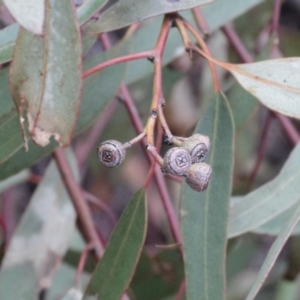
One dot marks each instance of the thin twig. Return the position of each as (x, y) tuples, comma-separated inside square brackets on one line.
[(275, 17), (117, 60), (181, 290), (200, 20), (83, 213), (261, 150)]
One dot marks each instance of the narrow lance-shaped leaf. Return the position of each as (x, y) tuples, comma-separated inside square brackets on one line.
[(274, 82), (115, 270), (46, 76), (268, 201), (30, 13), (40, 240), (274, 253), (205, 214), (124, 13)]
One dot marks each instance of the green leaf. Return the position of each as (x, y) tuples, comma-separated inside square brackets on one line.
[(113, 274), (274, 226), (8, 37), (30, 14), (205, 214), (41, 85), (124, 13), (10, 135), (274, 82), (14, 180), (274, 252), (157, 277), (88, 9), (268, 201), (40, 240)]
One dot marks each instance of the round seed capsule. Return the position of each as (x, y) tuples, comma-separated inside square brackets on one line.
[(176, 161), (198, 176), (197, 145), (111, 153)]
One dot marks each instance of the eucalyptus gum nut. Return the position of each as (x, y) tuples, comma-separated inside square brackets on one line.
[(177, 161), (197, 145), (198, 176), (111, 153)]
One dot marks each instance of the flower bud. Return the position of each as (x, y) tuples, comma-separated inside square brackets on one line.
[(198, 176), (176, 161), (197, 145), (111, 153)]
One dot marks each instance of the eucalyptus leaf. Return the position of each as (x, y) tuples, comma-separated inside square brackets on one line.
[(274, 226), (205, 214), (30, 14), (8, 36), (274, 82), (114, 271), (268, 201), (42, 88), (88, 9), (274, 252), (40, 240), (123, 13)]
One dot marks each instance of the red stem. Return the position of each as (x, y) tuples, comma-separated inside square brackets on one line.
[(117, 60)]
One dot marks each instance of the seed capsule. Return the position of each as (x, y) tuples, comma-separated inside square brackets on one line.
[(176, 161), (111, 153), (197, 145), (198, 176)]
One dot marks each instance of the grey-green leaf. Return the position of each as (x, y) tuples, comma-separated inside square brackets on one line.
[(124, 13), (115, 270), (30, 14), (42, 88), (205, 214), (268, 201), (8, 37), (274, 252), (274, 82), (88, 9), (40, 240)]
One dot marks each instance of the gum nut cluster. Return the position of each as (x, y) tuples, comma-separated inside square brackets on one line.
[(187, 160), (111, 153)]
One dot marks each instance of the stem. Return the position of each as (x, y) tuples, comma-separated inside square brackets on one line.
[(157, 85), (117, 60), (203, 45), (134, 140), (181, 290), (275, 17), (200, 21), (155, 155), (171, 138), (87, 227), (261, 150)]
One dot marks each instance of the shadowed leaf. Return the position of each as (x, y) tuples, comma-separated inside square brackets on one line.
[(204, 215), (113, 274)]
